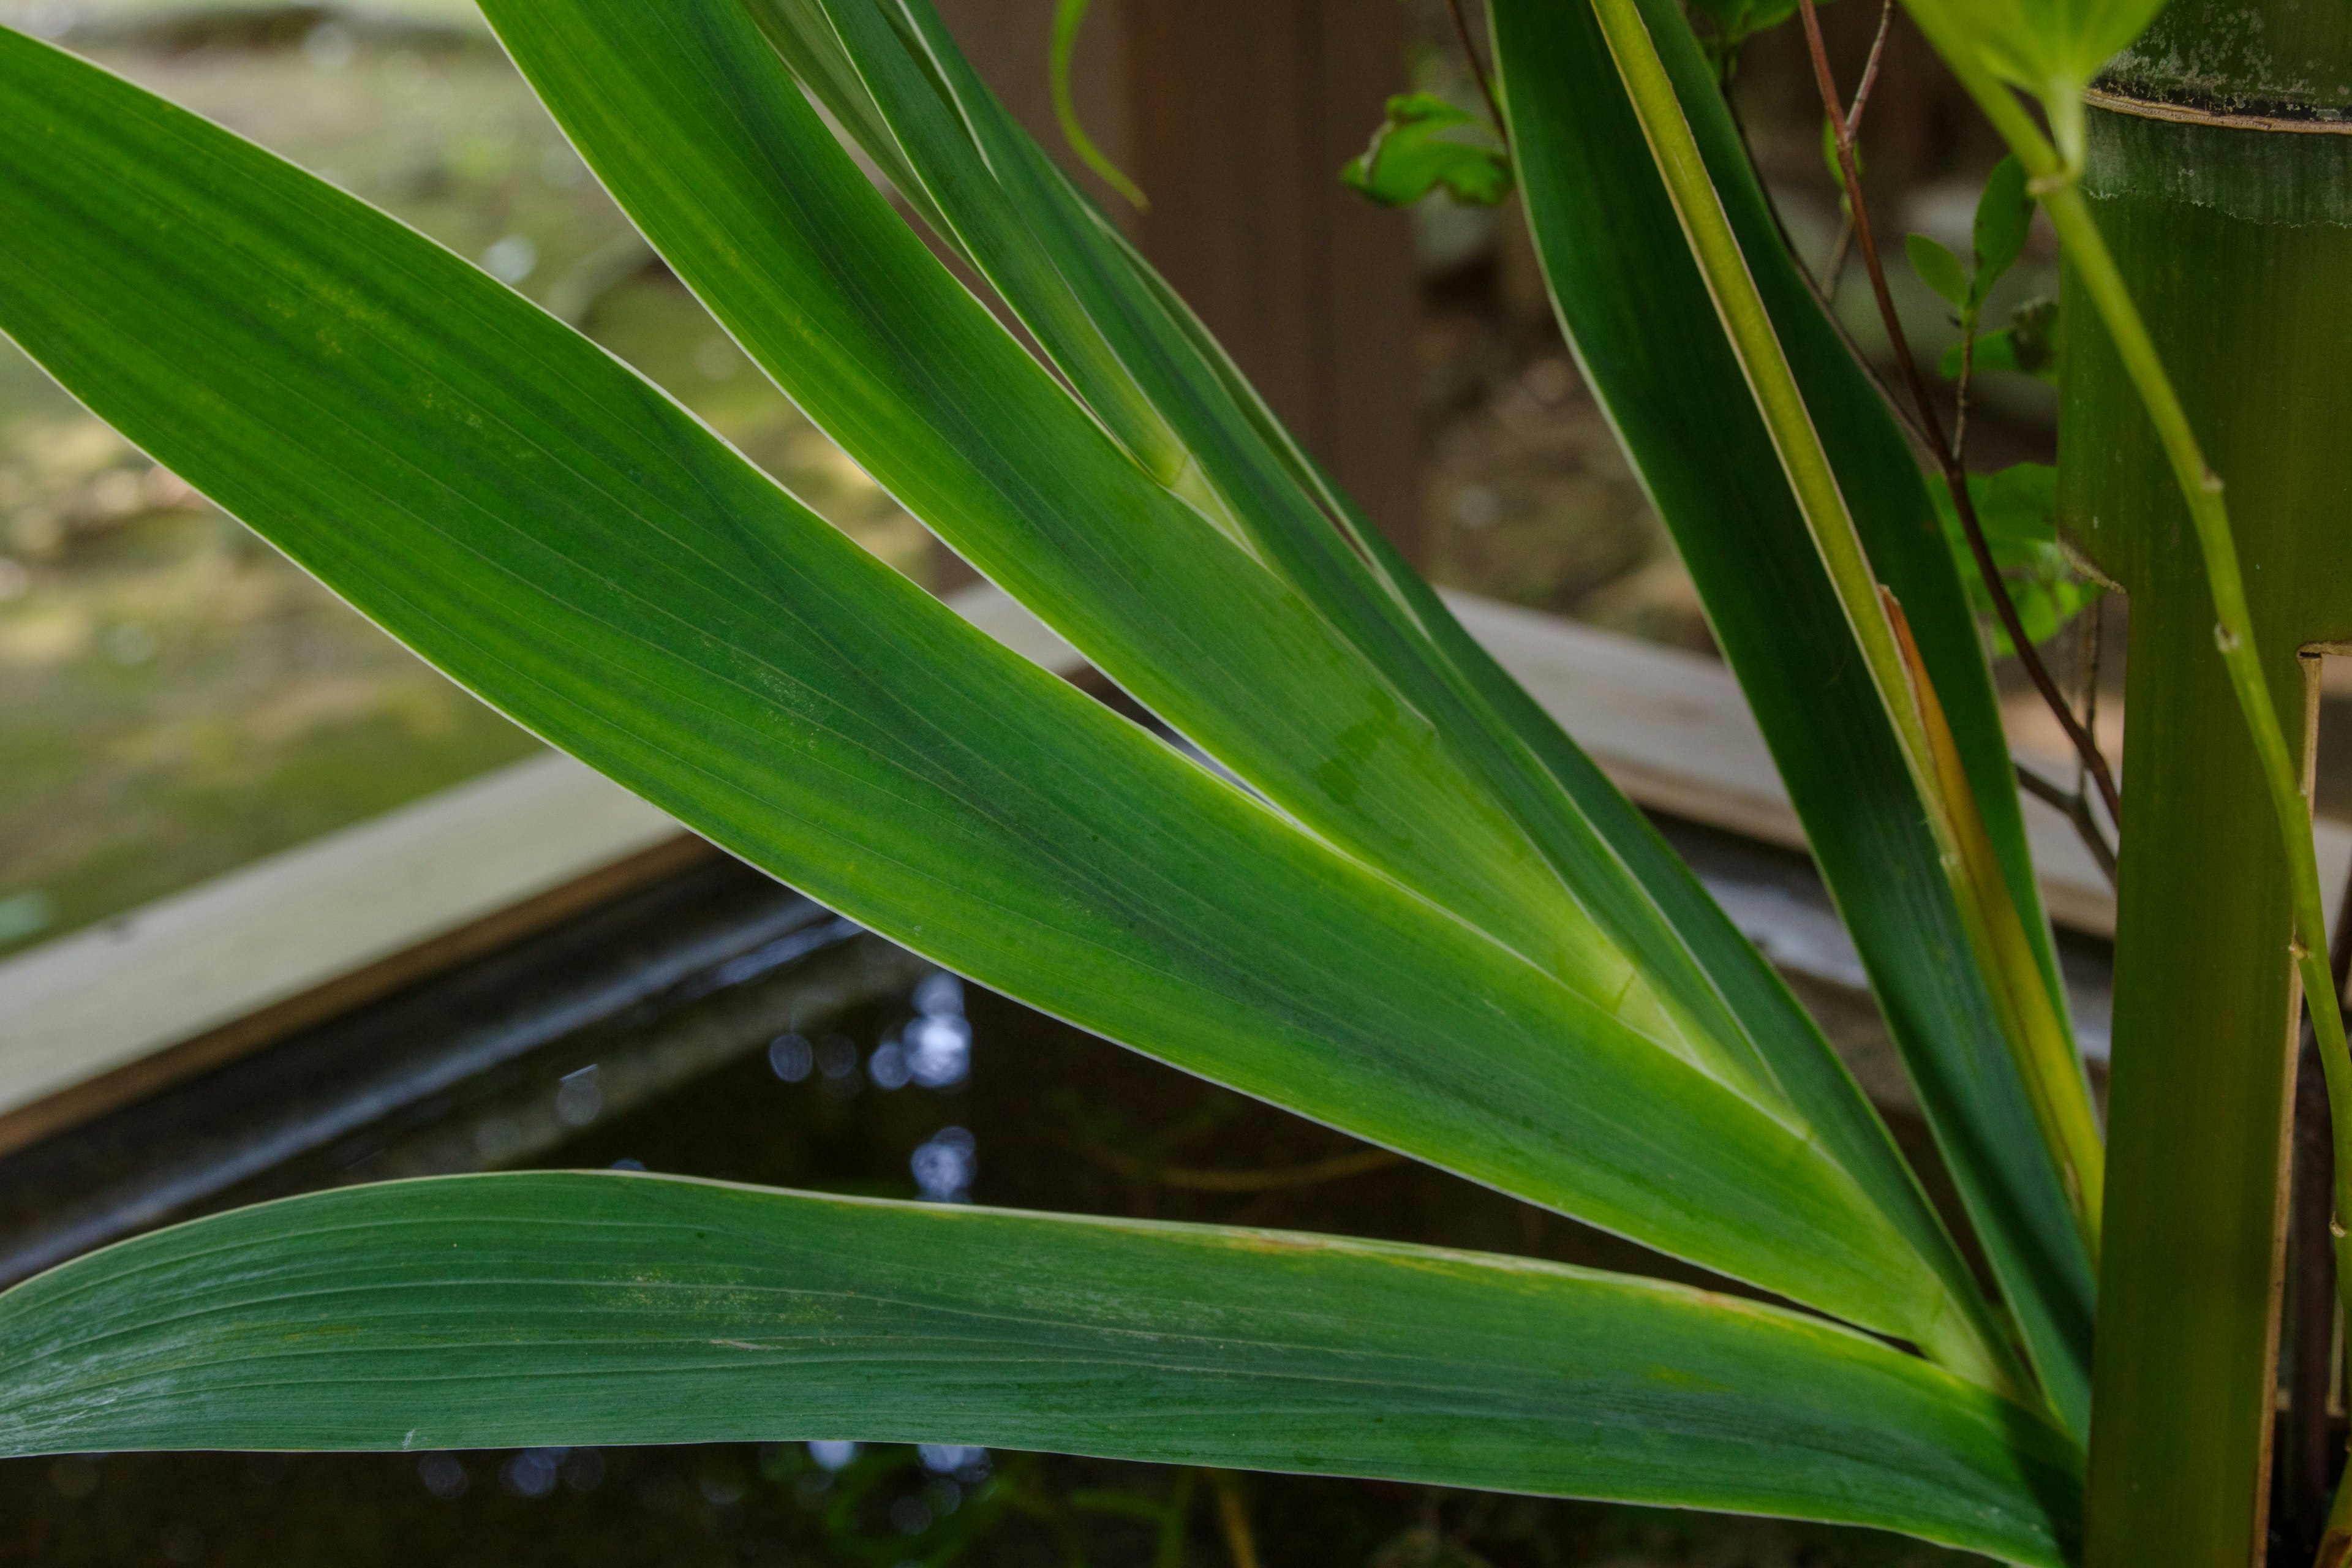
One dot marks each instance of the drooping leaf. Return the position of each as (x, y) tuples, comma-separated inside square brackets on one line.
[(2004, 215), (601, 1308), (1636, 308), (1150, 373), (555, 532), (631, 89), (1069, 15), (1939, 268), (2051, 48), (1423, 144)]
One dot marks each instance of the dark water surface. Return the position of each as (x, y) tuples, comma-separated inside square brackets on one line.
[(853, 1067)]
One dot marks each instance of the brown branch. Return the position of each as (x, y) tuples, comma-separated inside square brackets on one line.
[(2076, 806), (1852, 121), (1946, 460), (1478, 71)]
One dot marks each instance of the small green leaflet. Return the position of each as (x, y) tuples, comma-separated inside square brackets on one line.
[(2018, 508), (1426, 144), (2004, 215), (1939, 268)]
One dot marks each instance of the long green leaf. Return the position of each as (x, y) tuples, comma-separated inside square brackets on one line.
[(913, 377), (1144, 368), (690, 121), (553, 532), (602, 1308), (1638, 314)]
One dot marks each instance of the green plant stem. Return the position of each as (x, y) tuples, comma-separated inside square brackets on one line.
[(2057, 183), (2233, 636), (2037, 1037), (2233, 633)]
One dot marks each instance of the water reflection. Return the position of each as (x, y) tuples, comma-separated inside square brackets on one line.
[(577, 1097), (443, 1476), (944, 1167), (791, 1058), (533, 1472)]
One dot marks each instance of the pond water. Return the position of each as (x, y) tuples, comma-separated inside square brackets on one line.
[(814, 1055)]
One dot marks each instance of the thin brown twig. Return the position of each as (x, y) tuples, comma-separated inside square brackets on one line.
[(1870, 71), (2091, 680), (1837, 257), (1852, 127), (1478, 71), (1955, 476), (2076, 808)]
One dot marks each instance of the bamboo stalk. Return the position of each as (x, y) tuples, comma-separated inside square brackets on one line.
[(2220, 922)]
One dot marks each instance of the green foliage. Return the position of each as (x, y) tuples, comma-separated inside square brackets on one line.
[(1426, 918), (2018, 510), (2004, 216), (1639, 311), (1731, 23), (2036, 45), (1424, 143)]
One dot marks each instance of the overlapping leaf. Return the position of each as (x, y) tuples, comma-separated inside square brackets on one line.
[(606, 1308), (550, 528), (1637, 311), (709, 143)]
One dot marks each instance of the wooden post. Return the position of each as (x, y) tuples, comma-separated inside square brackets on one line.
[(1234, 117)]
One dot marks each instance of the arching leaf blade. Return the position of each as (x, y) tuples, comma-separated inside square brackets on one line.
[(683, 114), (1635, 309), (604, 1308)]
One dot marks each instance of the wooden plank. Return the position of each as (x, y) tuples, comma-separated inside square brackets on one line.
[(1241, 113), (98, 1017), (1675, 733), (1234, 117)]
